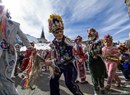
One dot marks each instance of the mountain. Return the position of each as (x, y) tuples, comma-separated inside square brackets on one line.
[(29, 37)]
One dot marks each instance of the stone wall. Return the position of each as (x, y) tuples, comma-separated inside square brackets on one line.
[(128, 5)]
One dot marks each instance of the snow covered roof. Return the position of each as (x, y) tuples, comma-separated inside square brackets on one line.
[(38, 46)]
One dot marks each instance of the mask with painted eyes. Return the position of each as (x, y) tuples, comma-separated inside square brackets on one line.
[(92, 34)]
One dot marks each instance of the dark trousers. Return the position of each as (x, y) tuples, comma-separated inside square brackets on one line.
[(75, 73), (97, 69), (67, 71), (98, 82)]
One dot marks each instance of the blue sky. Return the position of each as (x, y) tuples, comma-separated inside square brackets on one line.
[(106, 16)]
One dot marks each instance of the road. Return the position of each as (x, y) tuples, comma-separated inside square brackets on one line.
[(42, 86)]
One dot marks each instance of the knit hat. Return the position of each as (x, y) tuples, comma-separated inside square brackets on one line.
[(55, 23)]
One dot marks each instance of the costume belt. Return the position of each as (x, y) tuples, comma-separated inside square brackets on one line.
[(64, 62)]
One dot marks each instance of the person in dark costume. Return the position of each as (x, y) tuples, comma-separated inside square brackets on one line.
[(96, 65), (62, 57)]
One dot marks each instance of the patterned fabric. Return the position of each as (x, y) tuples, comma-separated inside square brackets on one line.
[(110, 51), (62, 51), (111, 65), (78, 51), (95, 49), (80, 61), (64, 60), (26, 68)]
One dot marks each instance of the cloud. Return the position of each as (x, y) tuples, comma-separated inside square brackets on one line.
[(105, 16), (31, 14), (113, 25), (123, 29)]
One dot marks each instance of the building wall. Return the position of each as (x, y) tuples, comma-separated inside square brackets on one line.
[(128, 5)]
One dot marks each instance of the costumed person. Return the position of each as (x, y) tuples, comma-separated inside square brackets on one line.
[(125, 62), (111, 55), (63, 57), (26, 66), (8, 31), (96, 65), (80, 60)]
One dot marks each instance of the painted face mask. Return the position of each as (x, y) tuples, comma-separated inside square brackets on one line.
[(92, 34)]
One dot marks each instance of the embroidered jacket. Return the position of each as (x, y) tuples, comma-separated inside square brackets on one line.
[(62, 52)]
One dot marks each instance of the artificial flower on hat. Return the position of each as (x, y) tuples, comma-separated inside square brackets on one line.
[(55, 23)]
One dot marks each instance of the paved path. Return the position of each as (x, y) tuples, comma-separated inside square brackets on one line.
[(42, 86)]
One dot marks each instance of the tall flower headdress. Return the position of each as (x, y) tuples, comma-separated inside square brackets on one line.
[(55, 23)]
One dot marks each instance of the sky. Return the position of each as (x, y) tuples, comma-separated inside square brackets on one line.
[(106, 16)]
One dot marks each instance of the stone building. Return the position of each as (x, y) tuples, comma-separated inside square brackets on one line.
[(42, 39), (128, 5)]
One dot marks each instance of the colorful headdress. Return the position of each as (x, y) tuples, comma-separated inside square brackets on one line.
[(108, 38), (55, 23), (92, 36)]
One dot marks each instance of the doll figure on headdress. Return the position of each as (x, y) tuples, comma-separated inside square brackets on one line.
[(80, 59), (95, 63), (111, 55)]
